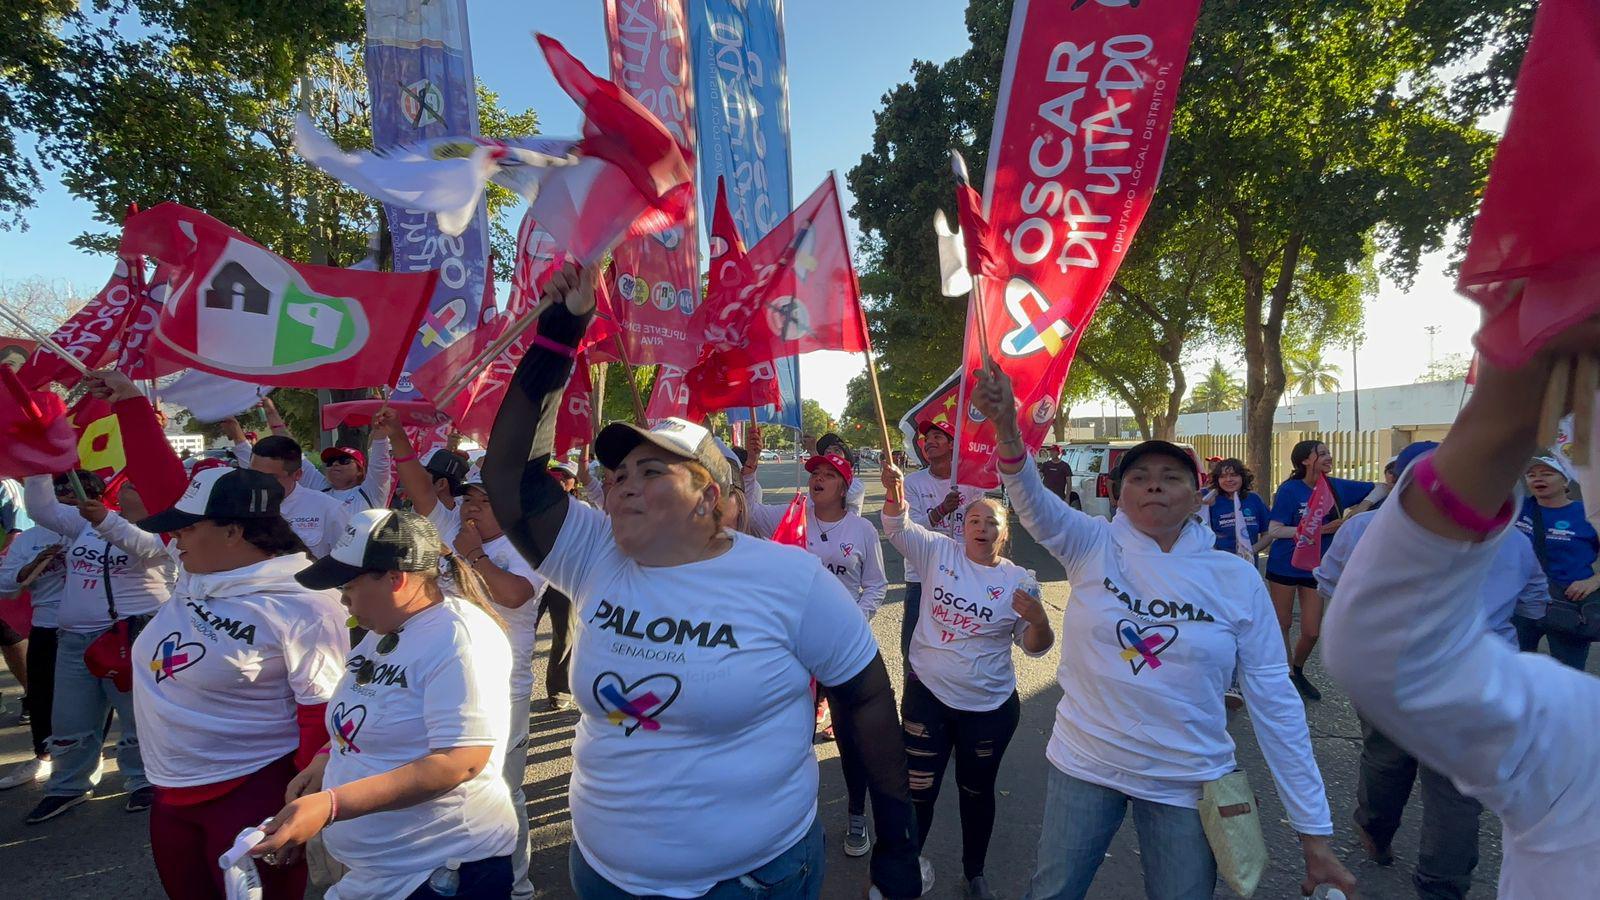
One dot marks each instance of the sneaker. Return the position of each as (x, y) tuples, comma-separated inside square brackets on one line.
[(927, 875), (1304, 685), (1233, 699), (50, 807), (561, 702), (1382, 854), (856, 840), (824, 721), (140, 800), (31, 772), (23, 717), (978, 889)]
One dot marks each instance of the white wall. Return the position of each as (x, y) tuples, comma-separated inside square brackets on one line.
[(1433, 403)]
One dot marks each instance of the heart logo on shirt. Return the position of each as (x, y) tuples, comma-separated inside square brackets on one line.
[(635, 706), (347, 722), (173, 655), (847, 549), (995, 592), (1142, 645)]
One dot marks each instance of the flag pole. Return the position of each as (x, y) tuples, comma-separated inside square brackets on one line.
[(44, 341), (877, 403), (633, 386)]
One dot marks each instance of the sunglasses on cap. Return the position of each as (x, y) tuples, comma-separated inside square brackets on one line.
[(368, 668)]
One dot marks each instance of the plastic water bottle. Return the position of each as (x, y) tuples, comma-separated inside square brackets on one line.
[(1327, 892), (1030, 585), (446, 879)]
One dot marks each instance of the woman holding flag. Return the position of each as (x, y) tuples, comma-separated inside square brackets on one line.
[(1237, 515), (847, 545), (1158, 624), (1287, 582), (695, 652)]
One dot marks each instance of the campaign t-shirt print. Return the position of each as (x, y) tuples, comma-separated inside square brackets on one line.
[(636, 705), (347, 722), (173, 655), (1142, 645)]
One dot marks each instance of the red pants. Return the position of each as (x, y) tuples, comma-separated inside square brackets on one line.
[(186, 840)]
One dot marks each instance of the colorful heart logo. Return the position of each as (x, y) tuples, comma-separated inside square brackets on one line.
[(635, 706), (347, 722), (847, 549), (1142, 645), (173, 655), (995, 592)]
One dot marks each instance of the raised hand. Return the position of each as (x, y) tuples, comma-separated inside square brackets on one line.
[(994, 398), (572, 286)]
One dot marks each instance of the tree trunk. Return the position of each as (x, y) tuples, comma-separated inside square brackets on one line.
[(1166, 424), (1265, 381)]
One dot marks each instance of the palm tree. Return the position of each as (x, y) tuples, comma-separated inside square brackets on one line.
[(1217, 392), (1305, 372)]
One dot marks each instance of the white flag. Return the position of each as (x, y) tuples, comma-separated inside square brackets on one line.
[(211, 398)]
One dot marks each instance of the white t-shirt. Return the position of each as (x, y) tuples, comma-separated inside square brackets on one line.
[(442, 686), (44, 592), (848, 548), (923, 493), (961, 648), (371, 493), (316, 517), (1150, 643), (138, 584), (229, 659), (694, 685)]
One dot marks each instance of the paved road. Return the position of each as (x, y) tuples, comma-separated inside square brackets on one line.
[(101, 852)]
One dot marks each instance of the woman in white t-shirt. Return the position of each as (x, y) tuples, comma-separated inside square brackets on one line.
[(232, 677), (695, 651), (409, 792), (1156, 627), (961, 699), (847, 546)]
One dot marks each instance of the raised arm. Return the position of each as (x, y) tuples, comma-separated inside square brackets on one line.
[(380, 470), (153, 466), (416, 481), (529, 503), (1513, 730), (39, 498), (874, 583)]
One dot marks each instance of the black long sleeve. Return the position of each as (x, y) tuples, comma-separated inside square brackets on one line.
[(529, 504), (868, 726)]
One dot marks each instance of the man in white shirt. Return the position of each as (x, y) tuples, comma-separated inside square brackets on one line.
[(316, 517), (349, 476)]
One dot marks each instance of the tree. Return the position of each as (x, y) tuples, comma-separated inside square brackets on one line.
[(814, 420), (41, 303), (1306, 373), (1219, 391), (1450, 367)]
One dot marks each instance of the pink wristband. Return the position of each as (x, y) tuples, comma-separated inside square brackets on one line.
[(1010, 460), (1445, 499), (540, 340), (404, 459)]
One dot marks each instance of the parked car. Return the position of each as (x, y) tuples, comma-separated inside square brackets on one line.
[(769, 456), (1092, 463)]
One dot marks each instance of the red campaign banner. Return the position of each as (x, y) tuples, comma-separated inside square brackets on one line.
[(799, 286), (239, 310), (669, 397), (575, 420), (1308, 536), (132, 349), (657, 275), (1533, 262), (90, 335), (1081, 128)]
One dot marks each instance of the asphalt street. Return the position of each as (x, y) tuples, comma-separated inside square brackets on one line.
[(99, 851)]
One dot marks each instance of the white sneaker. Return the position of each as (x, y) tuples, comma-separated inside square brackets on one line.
[(33, 771)]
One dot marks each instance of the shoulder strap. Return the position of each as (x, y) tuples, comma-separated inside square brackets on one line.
[(1538, 534), (105, 579)]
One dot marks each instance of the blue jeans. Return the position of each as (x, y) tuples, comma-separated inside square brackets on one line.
[(78, 721), (483, 879), (911, 611), (796, 874), (1080, 819), (1572, 652)]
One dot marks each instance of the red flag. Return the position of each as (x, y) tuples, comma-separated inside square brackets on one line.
[(575, 421), (975, 232), (99, 438), (938, 408), (356, 413), (36, 436), (133, 349), (658, 273), (791, 528), (716, 385), (1308, 535), (801, 290), (1081, 126), (1533, 262), (237, 309), (669, 398), (90, 335)]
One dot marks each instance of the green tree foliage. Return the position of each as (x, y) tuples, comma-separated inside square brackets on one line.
[(1306, 372), (1219, 391)]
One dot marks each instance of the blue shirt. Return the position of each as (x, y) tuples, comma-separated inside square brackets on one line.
[(1255, 519), (1289, 504), (1570, 542)]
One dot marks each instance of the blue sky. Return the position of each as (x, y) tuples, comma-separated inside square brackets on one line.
[(843, 56)]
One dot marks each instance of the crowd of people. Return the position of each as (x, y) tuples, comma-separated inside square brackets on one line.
[(341, 685)]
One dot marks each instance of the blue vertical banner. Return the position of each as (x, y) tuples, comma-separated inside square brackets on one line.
[(419, 75), (741, 78)]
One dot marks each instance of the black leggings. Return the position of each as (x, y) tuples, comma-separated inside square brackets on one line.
[(41, 685), (978, 740), (855, 771)]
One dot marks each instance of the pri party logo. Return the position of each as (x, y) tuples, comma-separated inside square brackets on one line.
[(1142, 645), (256, 316), (173, 655), (635, 706)]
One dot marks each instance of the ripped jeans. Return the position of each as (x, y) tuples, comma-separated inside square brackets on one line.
[(78, 722), (933, 731)]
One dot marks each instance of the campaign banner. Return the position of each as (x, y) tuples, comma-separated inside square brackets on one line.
[(742, 88), (657, 276), (1081, 125), (90, 334), (419, 74)]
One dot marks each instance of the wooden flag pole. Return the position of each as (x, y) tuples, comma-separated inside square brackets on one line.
[(1555, 400), (1585, 384), (877, 403), (633, 386)]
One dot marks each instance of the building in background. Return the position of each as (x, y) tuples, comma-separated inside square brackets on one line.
[(1397, 406)]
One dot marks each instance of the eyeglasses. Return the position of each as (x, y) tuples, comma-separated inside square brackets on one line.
[(368, 668)]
